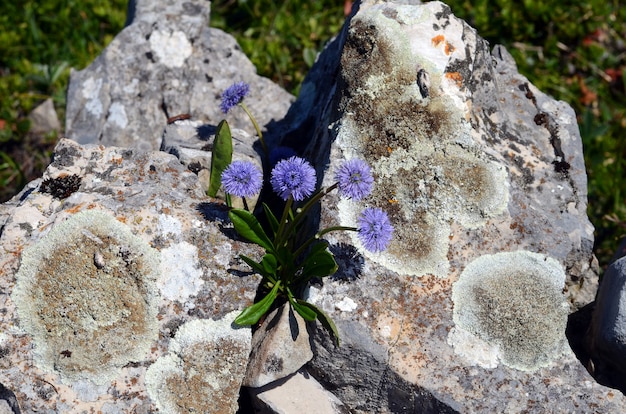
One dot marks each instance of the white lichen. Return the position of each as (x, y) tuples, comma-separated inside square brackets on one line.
[(181, 275)]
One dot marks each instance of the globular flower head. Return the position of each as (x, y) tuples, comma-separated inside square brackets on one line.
[(232, 96), (374, 229), (242, 179), (293, 177), (355, 179)]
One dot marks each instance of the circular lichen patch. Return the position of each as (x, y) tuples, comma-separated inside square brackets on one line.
[(204, 368), (514, 301), (86, 293)]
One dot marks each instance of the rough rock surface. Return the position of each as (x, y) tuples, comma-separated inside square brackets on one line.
[(470, 160), (606, 342), (298, 393), (167, 62), (280, 347), (117, 249)]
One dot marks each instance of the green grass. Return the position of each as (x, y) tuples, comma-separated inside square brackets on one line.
[(574, 51)]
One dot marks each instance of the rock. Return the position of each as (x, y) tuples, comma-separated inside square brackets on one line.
[(481, 174), (280, 347), (44, 118), (297, 393), (107, 263), (470, 161), (167, 62), (191, 142), (607, 333), (206, 365)]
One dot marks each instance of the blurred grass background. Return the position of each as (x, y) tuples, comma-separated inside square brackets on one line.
[(574, 51)]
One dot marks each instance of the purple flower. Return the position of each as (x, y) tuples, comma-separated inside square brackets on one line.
[(293, 177), (232, 96), (242, 179), (374, 229), (354, 178)]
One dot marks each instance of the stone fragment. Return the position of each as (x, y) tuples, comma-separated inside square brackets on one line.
[(44, 118), (166, 63), (204, 368), (299, 393), (607, 333), (280, 347)]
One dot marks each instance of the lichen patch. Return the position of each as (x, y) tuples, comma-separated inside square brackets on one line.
[(428, 171), (513, 301), (86, 293), (204, 368)]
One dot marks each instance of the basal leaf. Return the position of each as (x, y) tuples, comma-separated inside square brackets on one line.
[(249, 228), (253, 313), (307, 313), (323, 318), (221, 156), (319, 263), (271, 218)]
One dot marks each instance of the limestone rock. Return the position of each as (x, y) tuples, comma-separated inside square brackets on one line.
[(44, 118), (280, 347), (607, 334), (167, 62), (104, 261), (192, 141), (299, 393), (470, 160), (204, 369)]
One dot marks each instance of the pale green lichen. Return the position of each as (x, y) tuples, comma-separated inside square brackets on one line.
[(86, 293), (514, 302), (428, 170), (204, 368)]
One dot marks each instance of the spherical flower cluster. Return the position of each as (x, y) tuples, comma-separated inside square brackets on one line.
[(232, 96), (355, 179), (293, 177), (242, 179), (374, 230)]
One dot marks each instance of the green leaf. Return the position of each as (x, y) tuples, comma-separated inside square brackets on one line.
[(319, 262), (257, 267), (221, 156), (307, 313), (253, 313), (249, 228), (271, 218), (270, 264), (323, 318)]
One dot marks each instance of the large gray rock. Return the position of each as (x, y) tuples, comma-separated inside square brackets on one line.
[(165, 63), (483, 177), (112, 265)]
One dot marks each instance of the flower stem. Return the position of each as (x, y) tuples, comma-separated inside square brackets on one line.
[(256, 127), (280, 233)]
